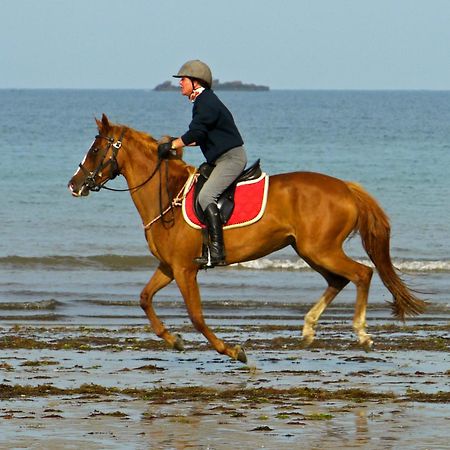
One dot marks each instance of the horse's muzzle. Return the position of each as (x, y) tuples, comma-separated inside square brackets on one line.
[(78, 191)]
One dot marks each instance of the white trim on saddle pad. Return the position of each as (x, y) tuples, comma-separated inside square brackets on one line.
[(192, 180)]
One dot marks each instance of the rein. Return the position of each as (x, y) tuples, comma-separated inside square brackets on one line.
[(90, 182), (92, 185), (177, 201), (134, 188)]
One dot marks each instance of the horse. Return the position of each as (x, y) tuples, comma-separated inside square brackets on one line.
[(311, 212)]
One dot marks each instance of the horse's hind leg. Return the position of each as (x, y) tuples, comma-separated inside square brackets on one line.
[(335, 285), (339, 264), (359, 318), (161, 278), (361, 276)]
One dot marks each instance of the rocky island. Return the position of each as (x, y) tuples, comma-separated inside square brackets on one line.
[(217, 86)]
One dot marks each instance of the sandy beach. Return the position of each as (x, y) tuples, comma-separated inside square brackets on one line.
[(110, 387)]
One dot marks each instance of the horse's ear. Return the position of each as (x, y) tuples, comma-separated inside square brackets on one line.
[(105, 121), (102, 124)]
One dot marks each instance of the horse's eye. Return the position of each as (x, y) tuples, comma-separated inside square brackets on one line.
[(95, 149)]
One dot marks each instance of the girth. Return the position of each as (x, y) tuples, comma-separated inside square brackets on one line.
[(226, 199)]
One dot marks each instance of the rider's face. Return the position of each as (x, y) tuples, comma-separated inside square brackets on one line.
[(186, 86)]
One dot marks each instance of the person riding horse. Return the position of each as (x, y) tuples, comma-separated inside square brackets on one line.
[(212, 128), (311, 212)]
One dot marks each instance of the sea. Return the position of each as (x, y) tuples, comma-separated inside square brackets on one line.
[(84, 260)]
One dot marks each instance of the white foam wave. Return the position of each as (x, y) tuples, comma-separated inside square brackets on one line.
[(423, 266), (274, 264), (299, 264)]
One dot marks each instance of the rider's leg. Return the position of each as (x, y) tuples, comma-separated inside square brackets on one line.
[(216, 247), (227, 168)]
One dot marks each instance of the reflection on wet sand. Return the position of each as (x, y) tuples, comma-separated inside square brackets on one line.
[(106, 384)]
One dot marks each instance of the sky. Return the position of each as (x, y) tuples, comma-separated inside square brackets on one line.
[(284, 44)]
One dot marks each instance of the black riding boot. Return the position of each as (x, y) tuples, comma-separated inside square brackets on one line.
[(215, 232)]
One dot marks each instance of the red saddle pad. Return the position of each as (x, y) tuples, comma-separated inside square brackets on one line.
[(250, 202)]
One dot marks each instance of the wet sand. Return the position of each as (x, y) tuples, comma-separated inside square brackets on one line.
[(117, 386)]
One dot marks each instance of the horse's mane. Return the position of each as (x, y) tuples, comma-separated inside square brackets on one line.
[(137, 134), (142, 138)]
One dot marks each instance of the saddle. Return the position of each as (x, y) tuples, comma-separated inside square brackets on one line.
[(226, 201)]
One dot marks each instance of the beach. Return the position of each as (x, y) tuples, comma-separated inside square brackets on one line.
[(103, 386), (80, 366)]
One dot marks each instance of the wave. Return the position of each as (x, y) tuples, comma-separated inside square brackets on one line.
[(37, 305), (63, 262), (403, 265), (144, 262)]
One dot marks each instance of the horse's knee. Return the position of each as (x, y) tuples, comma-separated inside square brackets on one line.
[(364, 277), (369, 274), (144, 300), (198, 322)]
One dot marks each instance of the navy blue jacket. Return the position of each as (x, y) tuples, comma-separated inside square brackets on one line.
[(212, 127)]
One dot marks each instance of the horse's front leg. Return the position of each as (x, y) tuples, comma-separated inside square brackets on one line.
[(186, 279), (161, 278)]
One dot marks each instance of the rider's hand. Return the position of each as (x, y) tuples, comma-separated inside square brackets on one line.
[(164, 150)]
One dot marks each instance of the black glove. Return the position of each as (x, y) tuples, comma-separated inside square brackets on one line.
[(164, 150)]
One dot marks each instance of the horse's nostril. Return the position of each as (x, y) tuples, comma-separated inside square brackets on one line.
[(73, 188)]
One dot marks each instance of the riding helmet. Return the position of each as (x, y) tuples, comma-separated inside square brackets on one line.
[(196, 69)]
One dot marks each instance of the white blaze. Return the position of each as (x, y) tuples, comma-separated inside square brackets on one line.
[(84, 159)]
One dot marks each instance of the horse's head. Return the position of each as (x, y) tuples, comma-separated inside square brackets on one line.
[(100, 163), (103, 161)]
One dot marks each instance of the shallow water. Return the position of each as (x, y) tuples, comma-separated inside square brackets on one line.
[(55, 247), (119, 385), (217, 426), (71, 272)]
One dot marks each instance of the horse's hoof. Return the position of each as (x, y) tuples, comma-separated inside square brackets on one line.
[(306, 341), (178, 344), (240, 354), (367, 345)]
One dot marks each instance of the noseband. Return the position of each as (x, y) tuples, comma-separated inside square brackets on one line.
[(92, 184), (90, 177), (89, 180)]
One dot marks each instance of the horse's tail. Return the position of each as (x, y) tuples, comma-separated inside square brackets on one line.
[(374, 229)]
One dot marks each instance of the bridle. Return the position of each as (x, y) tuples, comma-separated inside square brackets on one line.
[(90, 176), (114, 171)]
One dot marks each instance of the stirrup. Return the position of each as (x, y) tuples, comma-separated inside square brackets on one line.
[(206, 262), (203, 262)]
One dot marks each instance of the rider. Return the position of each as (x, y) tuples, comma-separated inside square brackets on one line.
[(214, 130)]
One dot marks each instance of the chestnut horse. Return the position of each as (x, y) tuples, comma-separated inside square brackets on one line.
[(312, 212)]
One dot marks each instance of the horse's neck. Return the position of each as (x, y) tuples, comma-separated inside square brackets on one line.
[(166, 180)]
